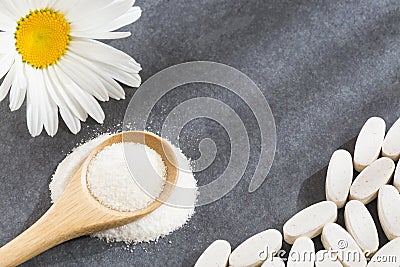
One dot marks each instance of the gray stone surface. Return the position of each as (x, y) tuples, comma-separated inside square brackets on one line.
[(324, 66)]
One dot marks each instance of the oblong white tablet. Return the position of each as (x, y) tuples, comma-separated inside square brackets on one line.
[(325, 258), (396, 179), (391, 143), (339, 177), (361, 226), (256, 249), (336, 238), (366, 186), (310, 221), (389, 211), (369, 143), (302, 253), (216, 255), (387, 256), (274, 262)]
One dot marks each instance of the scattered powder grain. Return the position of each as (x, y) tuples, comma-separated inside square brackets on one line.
[(159, 223)]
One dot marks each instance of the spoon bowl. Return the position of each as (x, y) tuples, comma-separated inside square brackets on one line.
[(77, 212)]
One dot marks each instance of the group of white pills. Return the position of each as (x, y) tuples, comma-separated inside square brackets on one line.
[(357, 243)]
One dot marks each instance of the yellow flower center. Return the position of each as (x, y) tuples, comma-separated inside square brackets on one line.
[(42, 37)]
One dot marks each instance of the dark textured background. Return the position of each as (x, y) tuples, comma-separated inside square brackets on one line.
[(324, 66)]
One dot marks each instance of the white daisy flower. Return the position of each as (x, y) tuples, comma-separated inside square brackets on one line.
[(49, 52)]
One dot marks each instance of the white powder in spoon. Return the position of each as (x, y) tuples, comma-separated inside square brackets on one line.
[(111, 182), (159, 223)]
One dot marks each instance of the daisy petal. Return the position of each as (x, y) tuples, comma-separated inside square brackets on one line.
[(18, 9), (82, 76), (98, 51), (130, 17), (52, 4), (5, 25), (7, 42), (55, 94), (59, 91), (83, 47), (131, 79), (7, 18), (101, 35), (41, 109), (49, 111), (114, 89), (65, 7), (48, 108), (18, 88), (87, 101), (85, 8), (6, 62), (102, 16), (51, 122), (34, 4), (33, 103), (7, 82), (72, 122), (17, 96)]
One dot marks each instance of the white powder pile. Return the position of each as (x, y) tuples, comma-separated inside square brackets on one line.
[(110, 180), (159, 223)]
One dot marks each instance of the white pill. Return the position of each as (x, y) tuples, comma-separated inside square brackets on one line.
[(369, 143), (396, 180), (339, 177), (325, 258), (361, 225), (391, 143), (274, 262), (366, 186), (336, 238), (387, 256), (256, 249), (302, 253), (216, 255), (389, 211), (310, 221)]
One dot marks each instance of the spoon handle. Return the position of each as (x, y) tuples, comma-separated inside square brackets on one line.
[(46, 233), (71, 216)]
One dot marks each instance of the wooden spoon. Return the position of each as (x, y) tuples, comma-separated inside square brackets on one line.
[(77, 212)]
